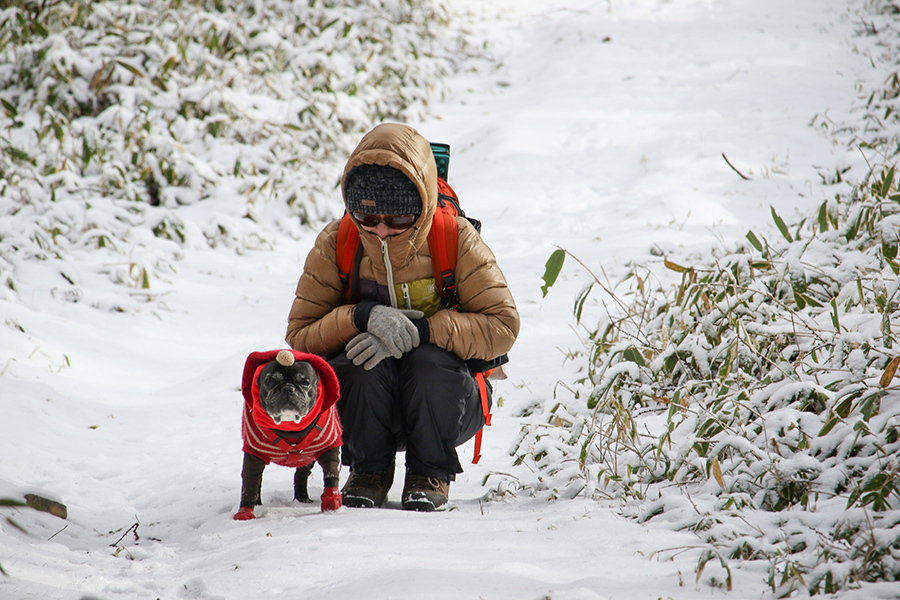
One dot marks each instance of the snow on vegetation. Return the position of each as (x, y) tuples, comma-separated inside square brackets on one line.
[(120, 121), (755, 401)]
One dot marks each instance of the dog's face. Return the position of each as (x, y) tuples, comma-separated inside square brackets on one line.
[(288, 393)]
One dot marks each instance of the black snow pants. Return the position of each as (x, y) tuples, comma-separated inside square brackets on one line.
[(425, 402)]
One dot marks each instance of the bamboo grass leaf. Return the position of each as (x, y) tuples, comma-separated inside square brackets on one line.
[(552, 269), (779, 222), (754, 241), (889, 372), (823, 217), (674, 266)]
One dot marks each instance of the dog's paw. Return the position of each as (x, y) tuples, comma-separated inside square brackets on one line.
[(245, 513), (331, 499)]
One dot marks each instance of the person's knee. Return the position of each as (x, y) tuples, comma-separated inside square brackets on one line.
[(428, 357), (349, 374)]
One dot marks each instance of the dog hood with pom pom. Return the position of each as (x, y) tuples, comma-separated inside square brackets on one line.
[(290, 444)]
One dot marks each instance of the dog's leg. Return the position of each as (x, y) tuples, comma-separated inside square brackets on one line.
[(301, 477), (330, 461), (251, 486)]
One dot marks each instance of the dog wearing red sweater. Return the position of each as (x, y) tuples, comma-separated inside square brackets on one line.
[(290, 418)]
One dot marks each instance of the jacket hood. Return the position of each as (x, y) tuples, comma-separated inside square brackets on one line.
[(404, 148), (326, 396)]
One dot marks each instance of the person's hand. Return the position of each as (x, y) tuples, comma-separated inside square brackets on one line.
[(366, 350), (394, 327)]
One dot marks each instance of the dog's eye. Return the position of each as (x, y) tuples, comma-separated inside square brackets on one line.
[(304, 382), (274, 379)]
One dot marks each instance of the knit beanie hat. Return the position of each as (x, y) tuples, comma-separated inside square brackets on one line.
[(381, 190)]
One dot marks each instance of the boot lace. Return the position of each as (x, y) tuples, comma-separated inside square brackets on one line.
[(423, 482)]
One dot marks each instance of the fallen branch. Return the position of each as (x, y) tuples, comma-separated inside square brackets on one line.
[(131, 529), (744, 177)]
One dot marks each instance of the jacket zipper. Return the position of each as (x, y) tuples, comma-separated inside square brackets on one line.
[(407, 299), (386, 259)]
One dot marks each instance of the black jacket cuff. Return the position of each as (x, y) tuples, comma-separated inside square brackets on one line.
[(478, 365), (361, 314), (424, 330)]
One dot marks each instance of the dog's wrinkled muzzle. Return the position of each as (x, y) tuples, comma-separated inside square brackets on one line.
[(296, 404)]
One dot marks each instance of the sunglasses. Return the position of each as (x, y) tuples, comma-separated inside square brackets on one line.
[(391, 221)]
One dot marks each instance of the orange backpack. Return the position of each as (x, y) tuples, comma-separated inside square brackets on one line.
[(443, 242)]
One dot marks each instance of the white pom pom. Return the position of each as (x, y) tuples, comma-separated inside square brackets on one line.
[(285, 358)]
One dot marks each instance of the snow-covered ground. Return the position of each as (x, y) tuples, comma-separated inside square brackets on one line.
[(603, 132)]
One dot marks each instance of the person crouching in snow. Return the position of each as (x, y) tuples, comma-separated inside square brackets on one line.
[(406, 363)]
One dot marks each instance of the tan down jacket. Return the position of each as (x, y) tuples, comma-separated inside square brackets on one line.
[(488, 322)]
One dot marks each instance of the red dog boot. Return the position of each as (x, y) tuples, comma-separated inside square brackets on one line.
[(245, 513), (331, 499)]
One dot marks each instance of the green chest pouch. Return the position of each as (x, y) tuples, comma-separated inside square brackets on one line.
[(419, 295)]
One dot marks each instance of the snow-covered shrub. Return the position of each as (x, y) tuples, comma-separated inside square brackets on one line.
[(763, 383), (755, 402), (195, 122)]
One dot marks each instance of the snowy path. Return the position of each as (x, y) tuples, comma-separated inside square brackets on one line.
[(602, 133)]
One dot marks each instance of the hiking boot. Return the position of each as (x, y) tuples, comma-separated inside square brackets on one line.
[(424, 493), (366, 490)]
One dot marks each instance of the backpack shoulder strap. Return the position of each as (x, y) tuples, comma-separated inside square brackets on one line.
[(485, 409), (348, 254), (443, 243)]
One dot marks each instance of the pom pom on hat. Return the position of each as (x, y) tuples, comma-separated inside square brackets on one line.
[(285, 358), (381, 190)]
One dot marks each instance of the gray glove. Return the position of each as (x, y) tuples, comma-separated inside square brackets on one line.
[(395, 328), (366, 350)]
